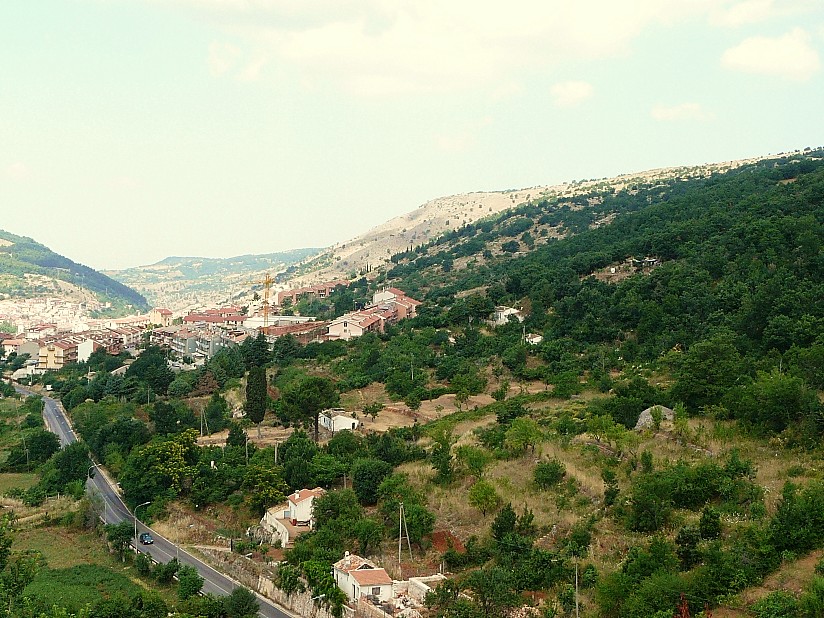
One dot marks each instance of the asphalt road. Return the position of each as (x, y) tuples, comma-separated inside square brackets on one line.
[(116, 511)]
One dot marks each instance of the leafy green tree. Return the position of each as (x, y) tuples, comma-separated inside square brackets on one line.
[(304, 401), (504, 522), (189, 582), (255, 351), (369, 534), (120, 537), (494, 590), (160, 468), (523, 432), (482, 496), (687, 541), (68, 465), (336, 505), (773, 401), (265, 487), (288, 580), (237, 435), (442, 456), (709, 525), (164, 573), (419, 522), (217, 413), (706, 371), (36, 446), (367, 475), (151, 369), (257, 396), (548, 473), (171, 417), (474, 459)]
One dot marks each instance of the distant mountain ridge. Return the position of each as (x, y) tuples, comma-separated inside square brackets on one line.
[(28, 268), (188, 282)]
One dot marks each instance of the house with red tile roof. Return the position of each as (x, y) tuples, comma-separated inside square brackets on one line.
[(287, 522), (160, 316), (358, 578), (321, 290), (389, 306)]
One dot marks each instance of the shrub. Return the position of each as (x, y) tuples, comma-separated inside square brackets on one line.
[(549, 473), (164, 573), (143, 564), (778, 604)]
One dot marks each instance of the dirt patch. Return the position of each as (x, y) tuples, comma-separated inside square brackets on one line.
[(268, 436), (444, 539)]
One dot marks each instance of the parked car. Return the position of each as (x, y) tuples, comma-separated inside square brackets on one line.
[(146, 539)]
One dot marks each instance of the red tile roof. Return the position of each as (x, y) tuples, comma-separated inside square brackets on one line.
[(371, 577)]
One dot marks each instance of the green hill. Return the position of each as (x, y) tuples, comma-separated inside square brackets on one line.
[(21, 256), (738, 252)]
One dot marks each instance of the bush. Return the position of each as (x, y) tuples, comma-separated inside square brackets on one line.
[(143, 564), (778, 604), (164, 573), (190, 582), (549, 473)]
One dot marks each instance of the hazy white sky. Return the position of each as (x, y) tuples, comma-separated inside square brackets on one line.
[(131, 130)]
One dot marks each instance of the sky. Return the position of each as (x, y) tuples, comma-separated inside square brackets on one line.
[(132, 130)]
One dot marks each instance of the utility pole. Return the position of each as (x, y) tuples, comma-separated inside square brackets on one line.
[(402, 527)]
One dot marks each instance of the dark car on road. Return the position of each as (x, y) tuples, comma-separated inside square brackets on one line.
[(146, 539)]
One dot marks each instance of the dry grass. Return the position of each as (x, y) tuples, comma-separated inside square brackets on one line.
[(13, 480), (63, 547)]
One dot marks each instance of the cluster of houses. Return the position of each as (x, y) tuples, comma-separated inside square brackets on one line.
[(321, 290), (361, 580), (199, 335), (388, 307), (49, 348)]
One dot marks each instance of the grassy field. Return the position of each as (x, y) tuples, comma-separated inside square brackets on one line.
[(11, 480), (63, 548), (80, 568)]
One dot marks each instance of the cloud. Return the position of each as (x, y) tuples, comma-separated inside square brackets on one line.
[(389, 47), (683, 111), (790, 56), (568, 94), (223, 57), (18, 171)]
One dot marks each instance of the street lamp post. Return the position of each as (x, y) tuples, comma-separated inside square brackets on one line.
[(135, 517)]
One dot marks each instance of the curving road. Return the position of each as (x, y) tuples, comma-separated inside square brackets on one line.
[(116, 511)]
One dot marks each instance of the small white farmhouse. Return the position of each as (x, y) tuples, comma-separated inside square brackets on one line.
[(335, 419), (358, 577)]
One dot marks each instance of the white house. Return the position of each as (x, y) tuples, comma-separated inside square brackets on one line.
[(300, 506), (335, 420), (358, 577), (501, 315), (296, 518)]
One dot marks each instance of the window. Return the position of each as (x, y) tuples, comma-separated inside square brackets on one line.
[(376, 591)]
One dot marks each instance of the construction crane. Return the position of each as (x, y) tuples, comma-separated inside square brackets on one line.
[(267, 285)]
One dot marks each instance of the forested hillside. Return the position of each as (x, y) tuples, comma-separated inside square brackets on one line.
[(737, 258), (20, 256)]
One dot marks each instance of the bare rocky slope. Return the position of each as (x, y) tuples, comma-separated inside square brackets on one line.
[(373, 249)]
